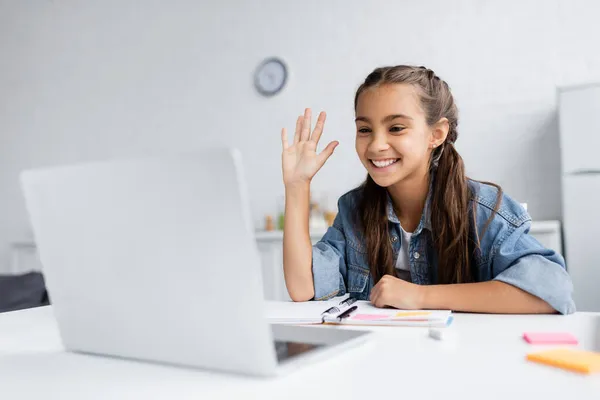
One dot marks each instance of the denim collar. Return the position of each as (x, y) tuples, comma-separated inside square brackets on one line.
[(425, 221)]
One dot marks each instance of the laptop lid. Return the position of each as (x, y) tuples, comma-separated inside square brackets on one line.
[(153, 259)]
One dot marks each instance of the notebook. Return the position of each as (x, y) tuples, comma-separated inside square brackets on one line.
[(352, 312)]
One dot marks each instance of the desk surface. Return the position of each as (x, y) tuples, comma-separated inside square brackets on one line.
[(485, 360)]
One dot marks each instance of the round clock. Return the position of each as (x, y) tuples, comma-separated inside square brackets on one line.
[(270, 77)]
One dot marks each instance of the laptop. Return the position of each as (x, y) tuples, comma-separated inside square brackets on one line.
[(154, 259)]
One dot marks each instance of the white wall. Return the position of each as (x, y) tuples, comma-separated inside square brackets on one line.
[(102, 79)]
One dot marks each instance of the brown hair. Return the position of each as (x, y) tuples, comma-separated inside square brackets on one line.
[(450, 192)]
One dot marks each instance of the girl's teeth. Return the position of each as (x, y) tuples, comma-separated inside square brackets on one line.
[(383, 164)]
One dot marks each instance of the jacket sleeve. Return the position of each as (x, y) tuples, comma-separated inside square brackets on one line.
[(329, 262), (520, 260)]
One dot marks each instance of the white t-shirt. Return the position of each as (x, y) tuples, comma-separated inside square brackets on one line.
[(402, 263)]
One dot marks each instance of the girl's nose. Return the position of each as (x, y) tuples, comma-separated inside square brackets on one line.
[(378, 142)]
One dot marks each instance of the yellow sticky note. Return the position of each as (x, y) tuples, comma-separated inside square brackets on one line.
[(412, 313), (581, 361)]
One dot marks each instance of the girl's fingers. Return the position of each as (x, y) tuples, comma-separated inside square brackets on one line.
[(373, 295), (298, 130), (306, 125), (326, 153), (316, 135), (284, 139)]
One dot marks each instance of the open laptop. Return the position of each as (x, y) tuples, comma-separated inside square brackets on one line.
[(155, 259)]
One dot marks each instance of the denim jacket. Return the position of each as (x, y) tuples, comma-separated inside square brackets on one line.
[(507, 252)]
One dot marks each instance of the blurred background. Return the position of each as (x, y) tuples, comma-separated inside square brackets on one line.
[(94, 80)]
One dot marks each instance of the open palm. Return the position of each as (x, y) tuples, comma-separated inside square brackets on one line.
[(300, 161)]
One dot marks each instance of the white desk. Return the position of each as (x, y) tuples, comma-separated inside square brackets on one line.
[(486, 362)]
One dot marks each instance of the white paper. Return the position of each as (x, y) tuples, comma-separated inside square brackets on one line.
[(309, 312), (306, 312)]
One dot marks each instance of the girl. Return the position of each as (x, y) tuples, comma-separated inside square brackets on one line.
[(417, 233)]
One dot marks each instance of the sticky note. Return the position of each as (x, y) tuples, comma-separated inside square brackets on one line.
[(368, 317), (581, 361), (549, 338), (411, 313)]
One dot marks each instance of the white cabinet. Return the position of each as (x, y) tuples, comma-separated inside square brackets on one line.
[(549, 234), (579, 107), (270, 246), (581, 226), (579, 129)]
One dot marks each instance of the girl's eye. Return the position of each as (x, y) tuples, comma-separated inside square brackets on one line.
[(364, 131), (396, 129)]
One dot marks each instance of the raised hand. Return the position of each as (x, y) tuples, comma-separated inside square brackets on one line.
[(300, 161)]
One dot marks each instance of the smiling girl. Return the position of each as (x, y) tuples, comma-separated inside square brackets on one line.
[(417, 233)]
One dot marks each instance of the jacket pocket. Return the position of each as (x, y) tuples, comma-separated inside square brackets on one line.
[(358, 279), (356, 255)]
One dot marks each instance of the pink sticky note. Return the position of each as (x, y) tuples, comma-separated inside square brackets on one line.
[(368, 317), (549, 338)]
